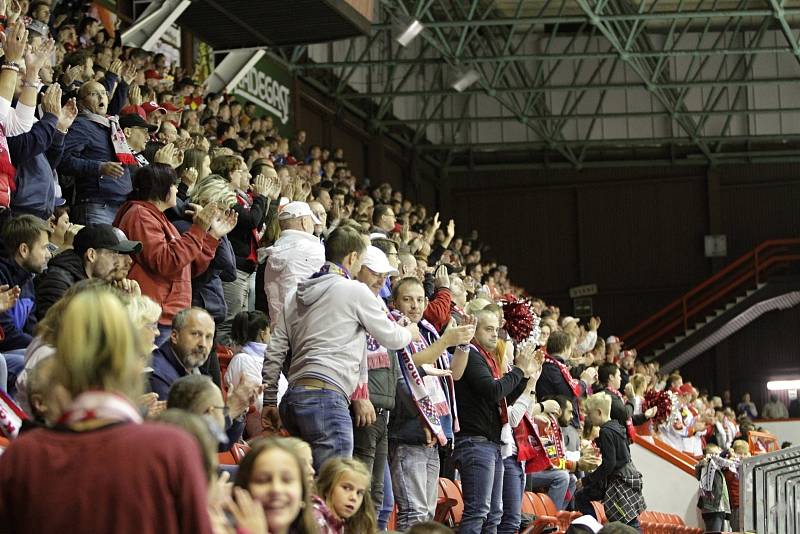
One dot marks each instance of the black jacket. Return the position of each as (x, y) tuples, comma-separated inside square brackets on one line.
[(478, 396), (621, 411), (63, 271), (552, 383), (18, 323), (613, 443), (241, 237)]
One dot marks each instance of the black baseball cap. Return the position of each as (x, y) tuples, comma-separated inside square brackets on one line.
[(104, 236), (134, 120)]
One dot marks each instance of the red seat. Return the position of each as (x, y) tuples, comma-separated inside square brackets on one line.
[(543, 522), (451, 490), (443, 505)]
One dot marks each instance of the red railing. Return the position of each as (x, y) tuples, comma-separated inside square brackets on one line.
[(681, 460), (744, 273)]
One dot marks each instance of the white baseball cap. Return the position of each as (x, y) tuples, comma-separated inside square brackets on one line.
[(377, 262), (296, 209), (589, 522)]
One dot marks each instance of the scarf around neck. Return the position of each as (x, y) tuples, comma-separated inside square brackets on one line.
[(100, 405), (332, 268), (631, 431), (432, 398), (122, 150)]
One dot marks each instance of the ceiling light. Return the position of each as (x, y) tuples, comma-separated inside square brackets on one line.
[(783, 385), (463, 78), (406, 29)]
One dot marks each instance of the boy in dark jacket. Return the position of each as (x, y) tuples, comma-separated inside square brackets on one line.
[(714, 500), (616, 482)]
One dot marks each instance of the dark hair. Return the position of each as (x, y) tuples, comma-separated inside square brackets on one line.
[(225, 165), (153, 182), (558, 342), (247, 325), (231, 143), (342, 242), (21, 229), (387, 246), (85, 23), (606, 371), (379, 211), (79, 57), (408, 280), (222, 128), (187, 392)]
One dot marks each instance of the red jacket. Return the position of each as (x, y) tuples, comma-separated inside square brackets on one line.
[(168, 260), (437, 312)]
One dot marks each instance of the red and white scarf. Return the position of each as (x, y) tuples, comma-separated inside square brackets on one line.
[(122, 150), (100, 405), (574, 385), (628, 422), (432, 398), (11, 416)]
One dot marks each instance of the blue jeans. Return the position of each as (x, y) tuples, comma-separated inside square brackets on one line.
[(513, 486), (557, 482), (415, 477), (237, 296), (387, 506), (321, 418), (95, 213), (481, 468)]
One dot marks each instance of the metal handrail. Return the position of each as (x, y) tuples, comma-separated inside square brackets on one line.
[(748, 267)]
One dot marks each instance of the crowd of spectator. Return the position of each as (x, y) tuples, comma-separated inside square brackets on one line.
[(150, 227)]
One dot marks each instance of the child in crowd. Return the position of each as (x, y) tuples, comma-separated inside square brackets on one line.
[(714, 500), (344, 504), (276, 476), (250, 332), (616, 482), (739, 450)]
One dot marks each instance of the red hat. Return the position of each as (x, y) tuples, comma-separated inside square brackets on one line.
[(170, 107), (152, 74), (138, 110), (686, 389), (150, 107)]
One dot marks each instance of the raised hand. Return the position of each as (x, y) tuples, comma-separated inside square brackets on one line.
[(260, 185), (36, 58), (51, 101), (248, 513), (203, 217), (129, 74), (223, 224), (458, 335), (442, 279), (14, 42), (135, 95), (68, 113)]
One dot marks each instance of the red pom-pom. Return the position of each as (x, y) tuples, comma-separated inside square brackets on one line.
[(520, 319), (661, 400)]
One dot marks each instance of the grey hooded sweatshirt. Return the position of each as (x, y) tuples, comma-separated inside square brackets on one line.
[(324, 325)]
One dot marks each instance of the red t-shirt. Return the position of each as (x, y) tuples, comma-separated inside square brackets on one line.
[(121, 479)]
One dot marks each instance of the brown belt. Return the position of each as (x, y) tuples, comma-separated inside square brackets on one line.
[(314, 383)]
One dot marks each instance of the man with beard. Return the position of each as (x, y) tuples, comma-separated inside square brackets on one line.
[(185, 352)]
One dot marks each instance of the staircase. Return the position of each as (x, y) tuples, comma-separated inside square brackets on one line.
[(766, 278)]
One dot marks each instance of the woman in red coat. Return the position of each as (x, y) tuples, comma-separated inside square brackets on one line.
[(169, 260)]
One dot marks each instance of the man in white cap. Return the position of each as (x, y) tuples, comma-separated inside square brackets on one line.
[(371, 417), (297, 254)]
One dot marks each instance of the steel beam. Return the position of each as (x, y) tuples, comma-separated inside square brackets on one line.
[(616, 17), (550, 57), (155, 20), (231, 69)]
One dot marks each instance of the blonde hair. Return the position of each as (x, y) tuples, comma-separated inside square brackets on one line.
[(598, 401), (329, 475), (48, 327), (97, 347), (639, 383), (143, 310), (213, 188)]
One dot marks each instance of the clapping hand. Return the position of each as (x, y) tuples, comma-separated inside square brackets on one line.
[(68, 113), (223, 223), (51, 101), (14, 42), (35, 58), (8, 297), (135, 95)]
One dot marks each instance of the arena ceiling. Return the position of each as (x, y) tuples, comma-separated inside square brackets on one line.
[(575, 82)]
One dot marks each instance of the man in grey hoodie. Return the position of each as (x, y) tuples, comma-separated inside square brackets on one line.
[(324, 325)]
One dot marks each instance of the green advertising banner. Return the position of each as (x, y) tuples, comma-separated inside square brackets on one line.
[(268, 85)]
